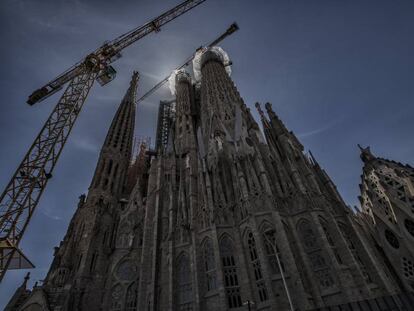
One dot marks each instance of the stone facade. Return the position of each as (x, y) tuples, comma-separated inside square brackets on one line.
[(387, 201), (224, 218)]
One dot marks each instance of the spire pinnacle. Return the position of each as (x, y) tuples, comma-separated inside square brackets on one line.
[(110, 171), (259, 110), (276, 122), (26, 279), (269, 110), (366, 154), (132, 86)]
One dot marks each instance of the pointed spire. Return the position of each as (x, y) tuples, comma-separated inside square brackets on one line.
[(116, 151), (26, 279), (366, 155), (121, 131), (19, 296), (265, 121), (276, 122), (260, 111), (270, 111)]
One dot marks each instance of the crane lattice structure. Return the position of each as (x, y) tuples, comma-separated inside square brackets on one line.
[(20, 198)]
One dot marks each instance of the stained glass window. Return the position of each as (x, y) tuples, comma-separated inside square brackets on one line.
[(231, 280)]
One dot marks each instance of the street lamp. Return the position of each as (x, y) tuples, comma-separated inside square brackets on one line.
[(270, 236)]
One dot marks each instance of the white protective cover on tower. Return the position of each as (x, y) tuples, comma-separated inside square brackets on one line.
[(197, 60), (171, 80)]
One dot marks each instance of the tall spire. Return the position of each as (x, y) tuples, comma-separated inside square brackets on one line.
[(116, 152), (84, 251), (19, 296), (274, 119), (184, 124)]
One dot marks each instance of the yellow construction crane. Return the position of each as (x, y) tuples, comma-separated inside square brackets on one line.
[(20, 198)]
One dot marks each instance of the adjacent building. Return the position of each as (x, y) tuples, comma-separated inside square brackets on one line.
[(387, 201)]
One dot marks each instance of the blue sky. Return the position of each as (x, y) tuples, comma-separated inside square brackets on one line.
[(337, 72)]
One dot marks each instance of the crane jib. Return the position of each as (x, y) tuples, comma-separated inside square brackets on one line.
[(108, 53)]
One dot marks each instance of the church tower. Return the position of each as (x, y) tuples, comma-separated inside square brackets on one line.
[(77, 275), (387, 201), (233, 218)]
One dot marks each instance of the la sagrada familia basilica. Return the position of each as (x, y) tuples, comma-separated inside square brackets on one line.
[(227, 214)]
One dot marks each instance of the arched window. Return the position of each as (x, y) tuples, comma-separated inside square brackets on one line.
[(231, 280), (116, 295), (347, 235), (184, 284), (408, 268), (331, 241), (392, 239), (409, 225), (307, 235), (131, 297), (269, 239), (257, 269), (315, 255), (209, 265)]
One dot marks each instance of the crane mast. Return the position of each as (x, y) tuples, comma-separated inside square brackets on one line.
[(21, 196)]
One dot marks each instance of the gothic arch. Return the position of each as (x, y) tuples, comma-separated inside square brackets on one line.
[(225, 236), (346, 233), (245, 233), (265, 224), (316, 258), (307, 233), (327, 229)]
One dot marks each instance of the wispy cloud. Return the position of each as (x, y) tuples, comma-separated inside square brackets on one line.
[(318, 130), (85, 145), (48, 215), (152, 76)]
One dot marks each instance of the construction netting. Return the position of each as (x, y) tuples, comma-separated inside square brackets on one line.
[(224, 57)]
